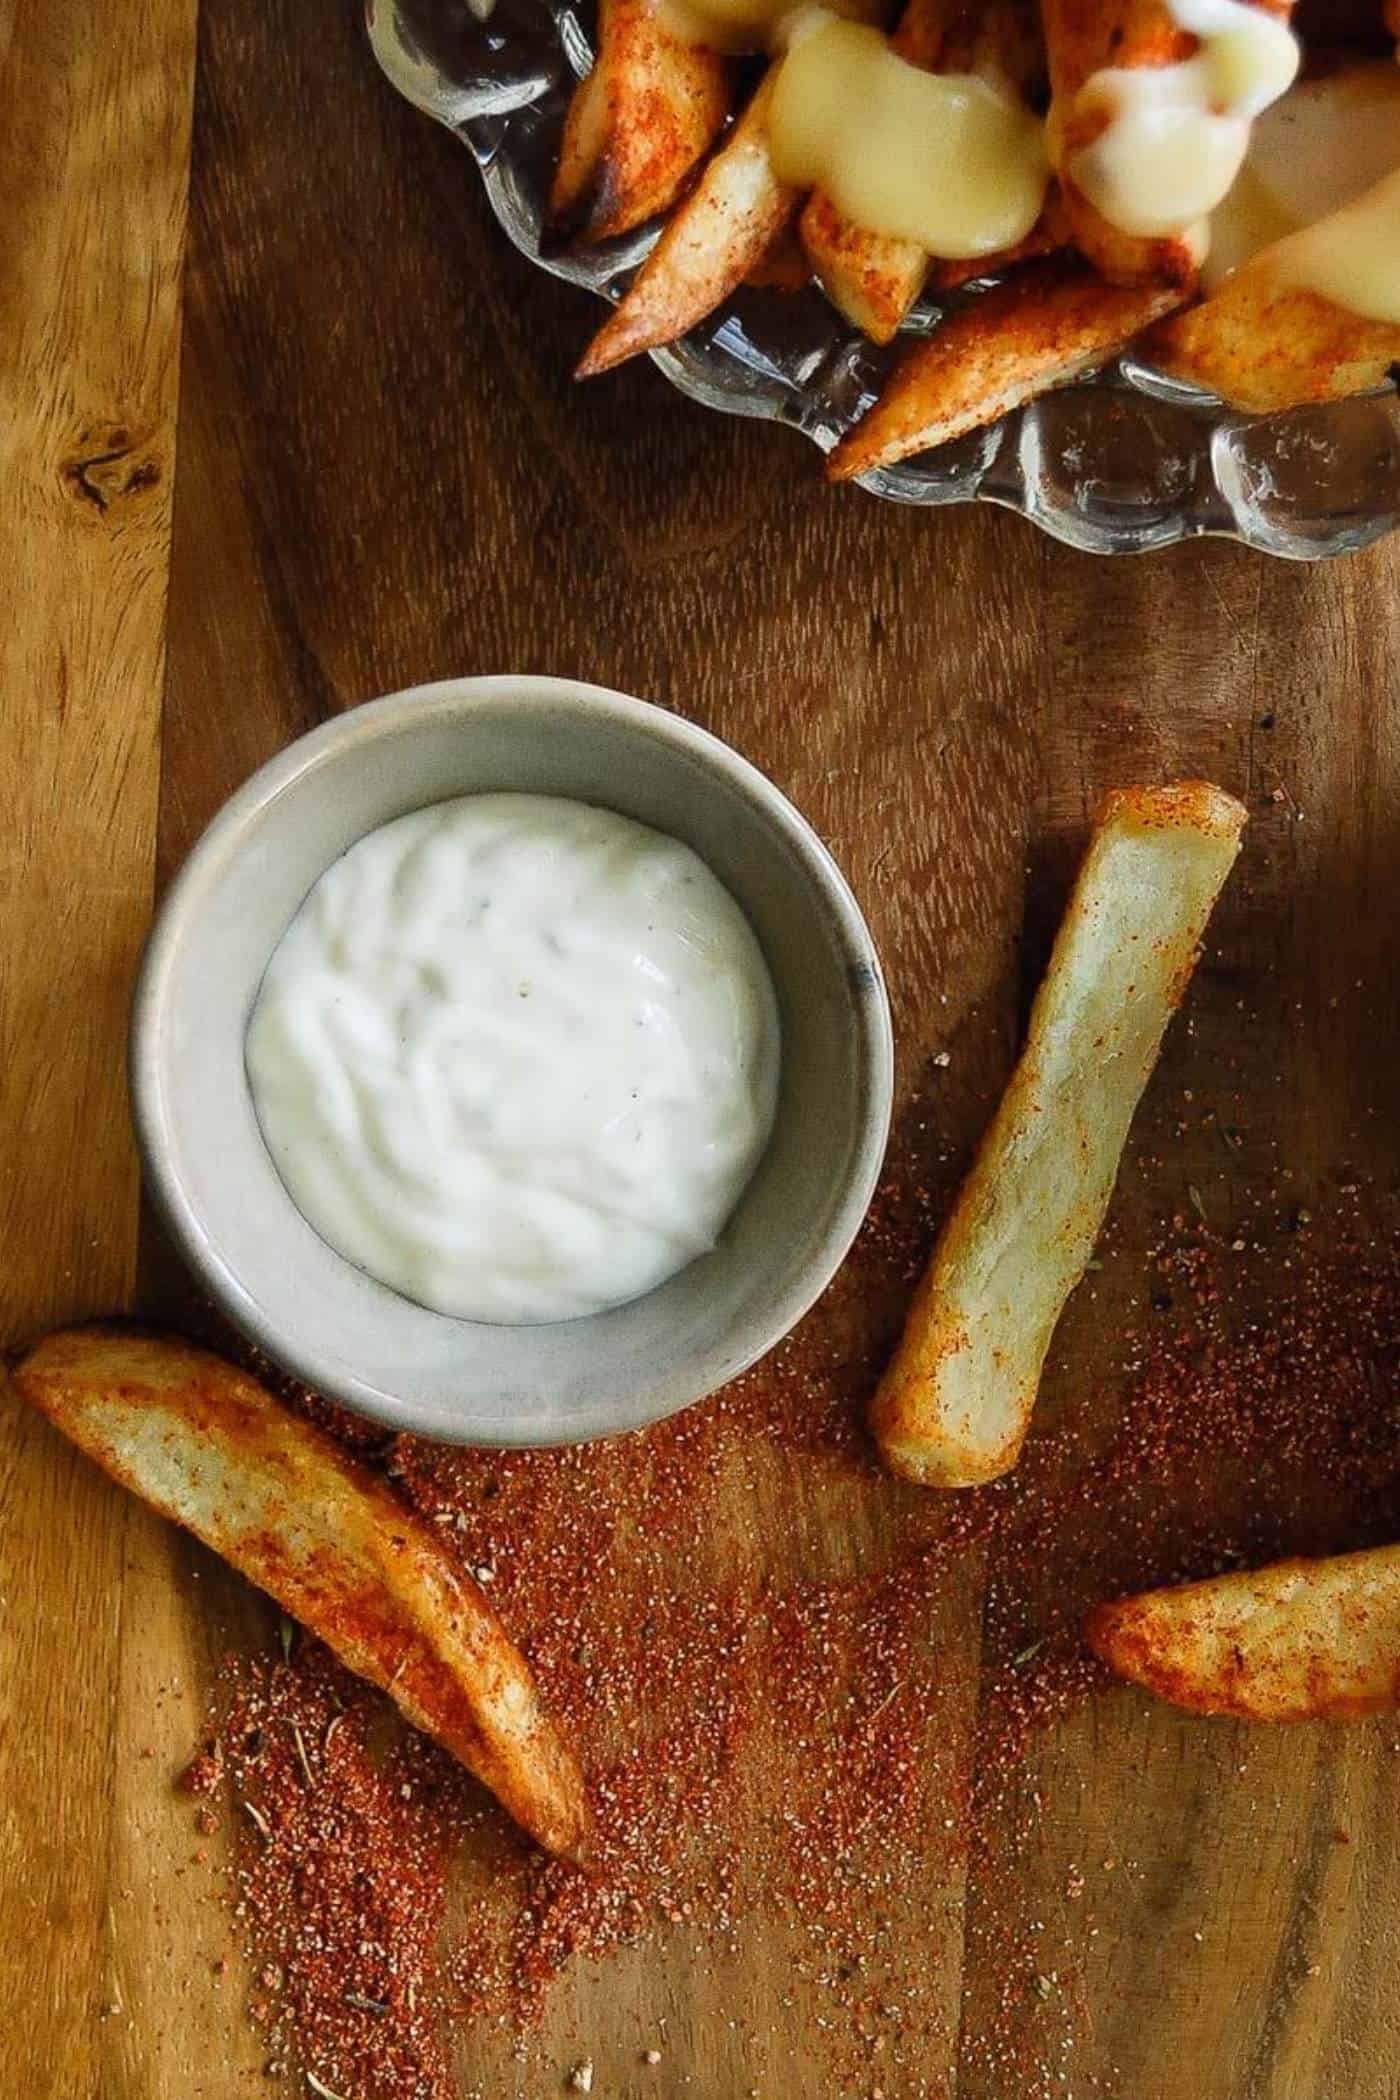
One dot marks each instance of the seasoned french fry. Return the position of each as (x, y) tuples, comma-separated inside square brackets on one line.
[(1303, 1640), (207, 1447), (1082, 38), (1263, 342), (639, 124), (872, 278), (726, 225), (1045, 325), (954, 1406)]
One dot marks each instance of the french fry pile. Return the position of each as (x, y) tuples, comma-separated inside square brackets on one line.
[(654, 130)]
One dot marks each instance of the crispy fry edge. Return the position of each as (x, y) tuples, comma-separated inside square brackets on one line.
[(729, 221), (1054, 319), (1148, 1638), (72, 1376), (1264, 347)]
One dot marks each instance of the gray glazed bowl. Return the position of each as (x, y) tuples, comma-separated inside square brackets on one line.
[(325, 1320)]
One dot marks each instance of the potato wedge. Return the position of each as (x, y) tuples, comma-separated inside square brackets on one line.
[(726, 225), (1083, 37), (872, 278), (953, 1408), (1263, 343), (1303, 1640), (1048, 323), (638, 125), (206, 1446)]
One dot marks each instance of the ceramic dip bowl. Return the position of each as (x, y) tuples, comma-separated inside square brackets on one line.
[(325, 1320)]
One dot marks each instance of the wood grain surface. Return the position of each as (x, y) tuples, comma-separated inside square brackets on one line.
[(385, 476), (94, 158)]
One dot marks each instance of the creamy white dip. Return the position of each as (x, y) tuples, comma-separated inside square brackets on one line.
[(516, 1057)]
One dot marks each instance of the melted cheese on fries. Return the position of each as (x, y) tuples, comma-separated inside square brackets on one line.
[(1332, 139), (1351, 258), (950, 161), (1174, 137)]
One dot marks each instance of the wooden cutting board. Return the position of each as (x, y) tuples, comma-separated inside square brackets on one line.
[(286, 425)]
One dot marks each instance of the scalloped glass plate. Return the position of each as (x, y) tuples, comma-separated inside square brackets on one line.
[(1118, 463)]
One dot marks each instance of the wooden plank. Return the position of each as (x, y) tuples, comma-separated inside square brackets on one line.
[(92, 189), (947, 699), (482, 515), (1217, 1907), (383, 479)]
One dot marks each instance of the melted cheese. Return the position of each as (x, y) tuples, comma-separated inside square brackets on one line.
[(1331, 139), (946, 160), (1351, 258), (1174, 137)]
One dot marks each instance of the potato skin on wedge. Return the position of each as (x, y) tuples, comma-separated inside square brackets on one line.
[(1302, 1640), (638, 125), (1262, 345), (206, 1446), (725, 227), (1048, 323), (954, 1406)]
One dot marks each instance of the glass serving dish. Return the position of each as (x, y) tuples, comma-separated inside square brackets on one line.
[(1115, 464)]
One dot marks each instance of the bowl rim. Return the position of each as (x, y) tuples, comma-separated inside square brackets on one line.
[(227, 835)]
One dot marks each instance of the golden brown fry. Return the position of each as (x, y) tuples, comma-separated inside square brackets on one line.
[(1263, 344), (1047, 324), (207, 1447), (1082, 37), (873, 278), (1304, 1640), (639, 124), (728, 223), (953, 1408)]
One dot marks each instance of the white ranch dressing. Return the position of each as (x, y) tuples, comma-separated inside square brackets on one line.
[(516, 1057), (1176, 135)]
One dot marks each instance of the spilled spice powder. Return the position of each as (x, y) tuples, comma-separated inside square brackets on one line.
[(844, 1755)]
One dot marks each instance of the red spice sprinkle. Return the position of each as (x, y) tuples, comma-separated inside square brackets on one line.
[(828, 1754)]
